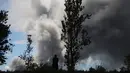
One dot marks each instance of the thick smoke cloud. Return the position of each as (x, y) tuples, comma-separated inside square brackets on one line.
[(17, 64), (42, 21), (108, 28)]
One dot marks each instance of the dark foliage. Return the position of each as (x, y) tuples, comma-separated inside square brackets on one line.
[(123, 69), (73, 34), (127, 62), (48, 69), (100, 69), (5, 45)]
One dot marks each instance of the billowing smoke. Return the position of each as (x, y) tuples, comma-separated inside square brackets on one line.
[(42, 21), (17, 64), (108, 28)]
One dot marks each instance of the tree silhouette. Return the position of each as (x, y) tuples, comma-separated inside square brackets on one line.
[(127, 62), (92, 69), (100, 69), (73, 34), (5, 45), (27, 56), (123, 69)]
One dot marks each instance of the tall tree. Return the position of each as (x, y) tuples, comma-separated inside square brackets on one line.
[(127, 62), (73, 34), (27, 56), (5, 45)]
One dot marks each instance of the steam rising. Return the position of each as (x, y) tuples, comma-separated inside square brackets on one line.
[(108, 26)]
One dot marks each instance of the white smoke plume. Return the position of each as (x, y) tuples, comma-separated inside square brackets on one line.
[(41, 19), (16, 64)]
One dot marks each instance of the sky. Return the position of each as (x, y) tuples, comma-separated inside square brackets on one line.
[(17, 38), (108, 27)]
